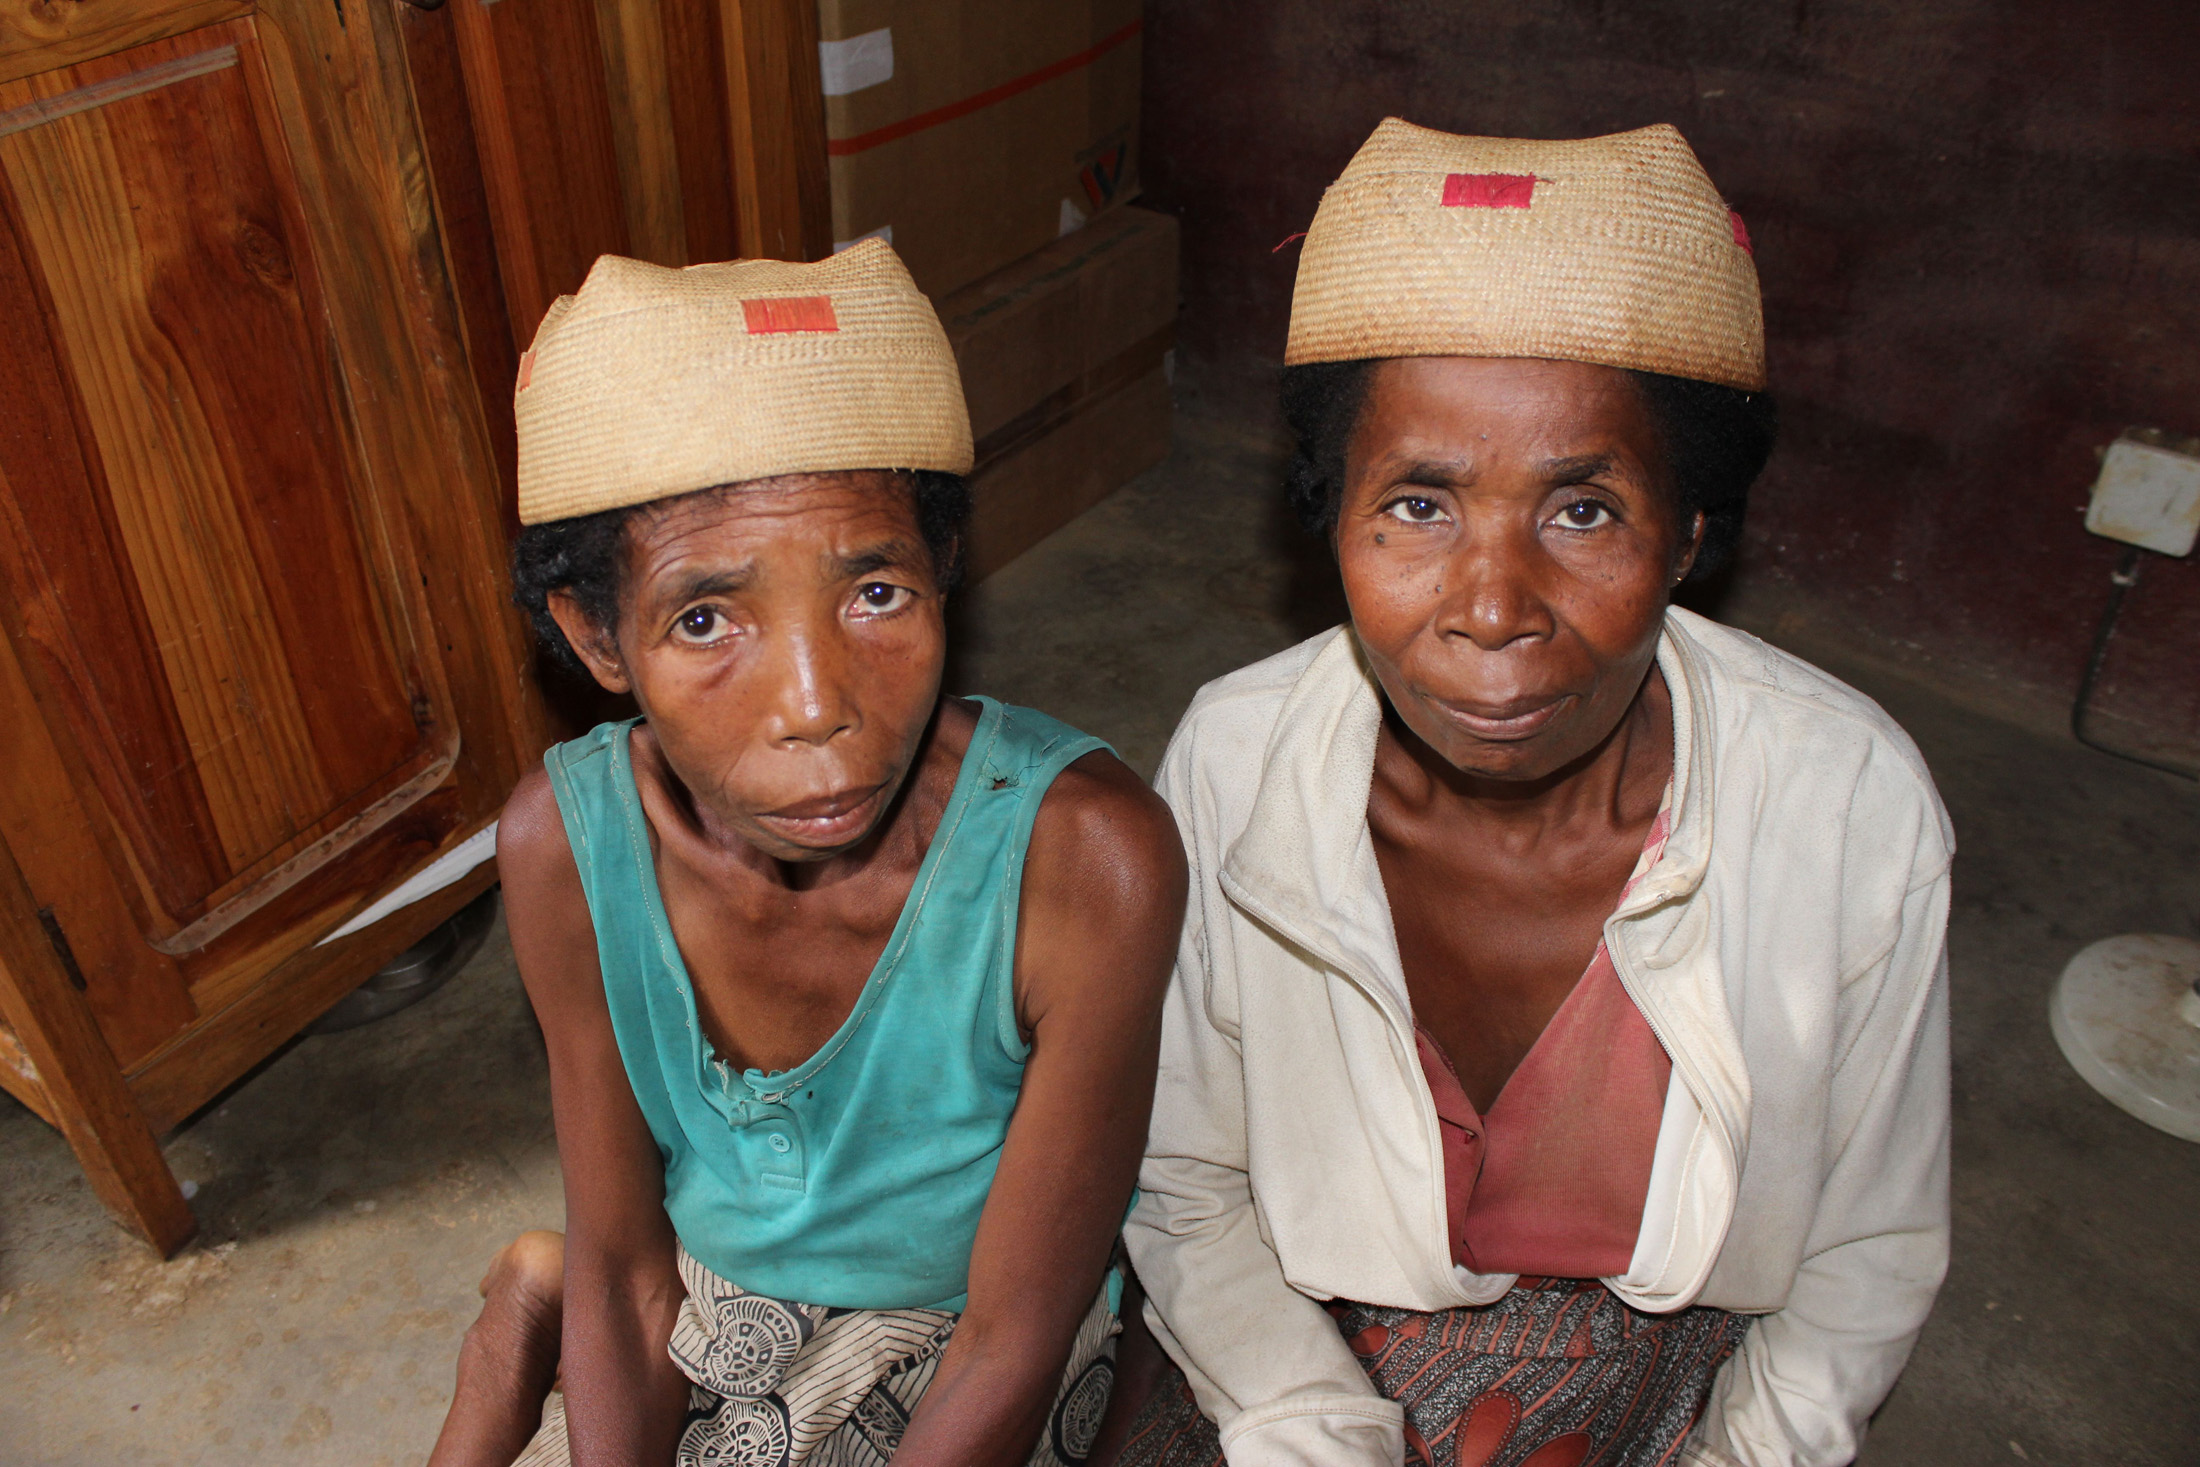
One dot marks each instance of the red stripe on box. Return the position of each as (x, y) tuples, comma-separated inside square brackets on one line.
[(864, 141), (790, 313), (1488, 190)]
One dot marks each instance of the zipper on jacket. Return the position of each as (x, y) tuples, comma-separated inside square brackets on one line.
[(1690, 1076), (1400, 1028), (1697, 1088)]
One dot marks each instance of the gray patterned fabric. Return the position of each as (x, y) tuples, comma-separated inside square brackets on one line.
[(782, 1384)]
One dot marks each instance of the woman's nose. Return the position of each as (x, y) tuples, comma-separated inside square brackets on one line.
[(1494, 599), (809, 703)]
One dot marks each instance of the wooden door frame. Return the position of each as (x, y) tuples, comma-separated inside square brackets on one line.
[(413, 427), (88, 1099), (775, 118)]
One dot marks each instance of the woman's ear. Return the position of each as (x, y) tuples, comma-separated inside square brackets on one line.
[(597, 652), (1685, 561)]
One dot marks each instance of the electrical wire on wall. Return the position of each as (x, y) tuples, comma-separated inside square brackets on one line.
[(2120, 582), (2148, 498)]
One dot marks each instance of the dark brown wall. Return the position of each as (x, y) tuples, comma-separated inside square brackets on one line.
[(1977, 223)]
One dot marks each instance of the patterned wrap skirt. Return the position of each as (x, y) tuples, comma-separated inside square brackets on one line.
[(1557, 1373), (780, 1384)]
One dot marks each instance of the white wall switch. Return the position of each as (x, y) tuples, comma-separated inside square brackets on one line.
[(2147, 496)]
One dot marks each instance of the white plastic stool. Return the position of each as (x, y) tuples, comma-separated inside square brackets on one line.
[(2127, 1016)]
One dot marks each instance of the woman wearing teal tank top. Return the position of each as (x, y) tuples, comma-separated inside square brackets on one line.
[(850, 990)]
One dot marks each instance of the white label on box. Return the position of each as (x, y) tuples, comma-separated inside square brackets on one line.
[(1072, 220), (858, 62), (884, 231), (2147, 496)]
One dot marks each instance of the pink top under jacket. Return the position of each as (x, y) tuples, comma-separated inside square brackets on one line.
[(1551, 1182)]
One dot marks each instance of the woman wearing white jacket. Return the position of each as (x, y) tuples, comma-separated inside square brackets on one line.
[(1556, 1064)]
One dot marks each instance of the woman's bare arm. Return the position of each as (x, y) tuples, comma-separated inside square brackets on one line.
[(625, 1400), (1103, 897)]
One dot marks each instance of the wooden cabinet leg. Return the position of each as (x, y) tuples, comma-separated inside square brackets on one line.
[(91, 1100)]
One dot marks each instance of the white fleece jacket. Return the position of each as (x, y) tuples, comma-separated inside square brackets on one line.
[(1787, 948)]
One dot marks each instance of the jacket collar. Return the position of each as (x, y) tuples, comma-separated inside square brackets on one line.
[(1680, 867), (1305, 863)]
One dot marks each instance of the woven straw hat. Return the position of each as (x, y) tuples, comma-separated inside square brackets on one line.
[(653, 382), (1615, 250)]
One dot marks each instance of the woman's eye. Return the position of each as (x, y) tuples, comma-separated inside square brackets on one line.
[(1584, 514), (700, 624), (1415, 509), (880, 597)]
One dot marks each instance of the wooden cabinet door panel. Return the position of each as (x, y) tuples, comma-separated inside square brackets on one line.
[(221, 615), (138, 996), (39, 35)]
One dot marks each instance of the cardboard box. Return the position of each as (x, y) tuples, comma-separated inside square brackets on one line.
[(1064, 358), (1040, 486), (971, 132)]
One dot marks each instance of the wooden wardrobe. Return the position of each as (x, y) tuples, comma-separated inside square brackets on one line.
[(265, 272)]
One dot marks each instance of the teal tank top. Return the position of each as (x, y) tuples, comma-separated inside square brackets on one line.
[(855, 1179)]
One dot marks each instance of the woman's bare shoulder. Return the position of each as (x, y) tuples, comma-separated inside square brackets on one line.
[(545, 906), (530, 831), (1104, 886), (1106, 845)]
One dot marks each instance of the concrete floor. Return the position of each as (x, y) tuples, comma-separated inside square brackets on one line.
[(352, 1190)]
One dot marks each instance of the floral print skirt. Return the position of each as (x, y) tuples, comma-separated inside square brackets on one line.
[(1557, 1373)]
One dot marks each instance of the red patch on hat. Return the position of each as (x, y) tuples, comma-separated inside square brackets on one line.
[(526, 368), (1741, 233), (1489, 190), (790, 313)]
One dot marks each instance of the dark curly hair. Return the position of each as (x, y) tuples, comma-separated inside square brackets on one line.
[(1716, 442), (586, 556)]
